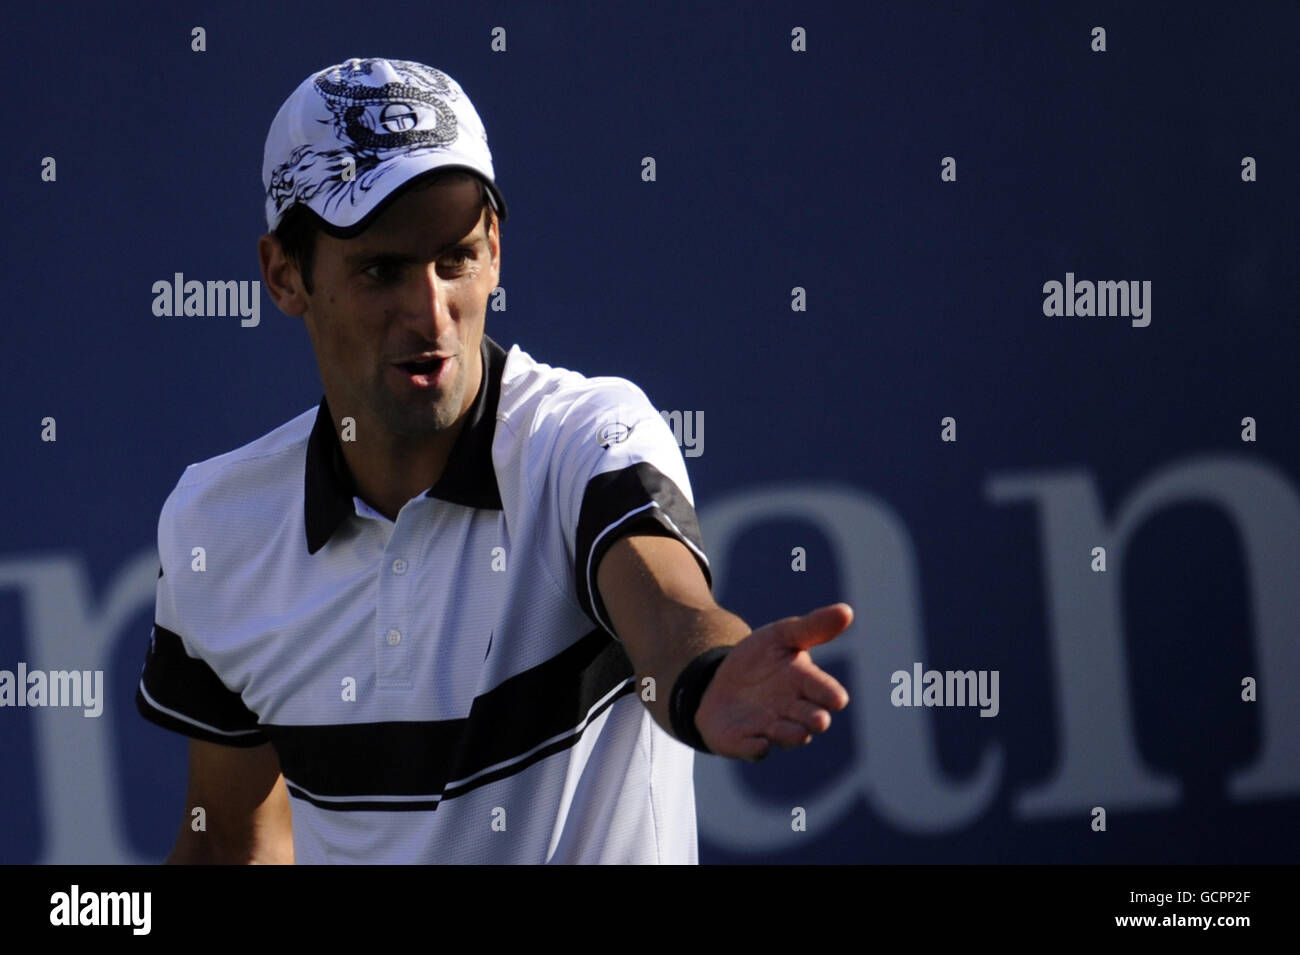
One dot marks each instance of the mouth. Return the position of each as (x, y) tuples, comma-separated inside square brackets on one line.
[(424, 371)]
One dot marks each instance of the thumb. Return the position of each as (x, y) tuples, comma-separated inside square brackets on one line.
[(821, 626)]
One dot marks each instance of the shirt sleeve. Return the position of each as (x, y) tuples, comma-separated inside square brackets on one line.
[(178, 690), (617, 470)]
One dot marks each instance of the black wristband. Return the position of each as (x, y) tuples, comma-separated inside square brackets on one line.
[(687, 693)]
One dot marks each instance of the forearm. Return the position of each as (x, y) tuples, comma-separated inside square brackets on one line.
[(189, 851), (237, 828), (663, 611), (684, 633)]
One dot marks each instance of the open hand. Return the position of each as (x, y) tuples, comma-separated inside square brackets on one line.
[(768, 691)]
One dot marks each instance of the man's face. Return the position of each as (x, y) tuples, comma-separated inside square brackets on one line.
[(397, 314)]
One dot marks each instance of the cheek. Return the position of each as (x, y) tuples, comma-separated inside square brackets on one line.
[(350, 341)]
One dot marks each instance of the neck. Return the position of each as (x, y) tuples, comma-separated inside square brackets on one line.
[(388, 471)]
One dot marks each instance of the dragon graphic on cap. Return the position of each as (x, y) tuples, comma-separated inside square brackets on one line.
[(373, 124)]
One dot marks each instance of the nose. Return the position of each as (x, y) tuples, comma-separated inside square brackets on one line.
[(431, 307)]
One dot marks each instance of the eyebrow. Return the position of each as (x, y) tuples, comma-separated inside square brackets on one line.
[(373, 254)]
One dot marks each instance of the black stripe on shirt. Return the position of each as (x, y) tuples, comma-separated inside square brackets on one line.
[(608, 503), (189, 686), (436, 759)]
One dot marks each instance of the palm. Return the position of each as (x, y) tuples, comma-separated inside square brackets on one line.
[(768, 690)]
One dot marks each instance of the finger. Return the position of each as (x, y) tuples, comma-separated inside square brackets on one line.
[(788, 734), (753, 749), (809, 715), (821, 688), (821, 626)]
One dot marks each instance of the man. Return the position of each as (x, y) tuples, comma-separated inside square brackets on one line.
[(460, 611)]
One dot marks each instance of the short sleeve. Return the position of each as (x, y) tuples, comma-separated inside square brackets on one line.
[(178, 690), (617, 470)]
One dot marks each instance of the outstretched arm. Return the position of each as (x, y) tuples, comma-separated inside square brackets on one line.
[(766, 692)]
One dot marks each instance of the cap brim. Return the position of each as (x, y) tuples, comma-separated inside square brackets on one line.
[(361, 225)]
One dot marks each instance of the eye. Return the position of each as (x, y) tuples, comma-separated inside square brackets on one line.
[(387, 270)]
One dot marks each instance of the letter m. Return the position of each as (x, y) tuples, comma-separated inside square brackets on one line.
[(76, 765), (1107, 292), (119, 903), (218, 294), (961, 687)]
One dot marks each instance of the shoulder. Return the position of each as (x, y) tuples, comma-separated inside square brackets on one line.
[(256, 476), (568, 433), (541, 402)]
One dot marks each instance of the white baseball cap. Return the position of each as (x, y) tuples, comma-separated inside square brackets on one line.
[(350, 136)]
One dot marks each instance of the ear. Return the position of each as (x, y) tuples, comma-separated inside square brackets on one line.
[(281, 278), (492, 231), (494, 239)]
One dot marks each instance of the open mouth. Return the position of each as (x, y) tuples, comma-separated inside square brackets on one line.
[(424, 372), (427, 367)]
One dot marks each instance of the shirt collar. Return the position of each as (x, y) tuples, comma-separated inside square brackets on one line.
[(467, 479)]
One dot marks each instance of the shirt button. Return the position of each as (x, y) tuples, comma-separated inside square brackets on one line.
[(394, 637), (399, 566)]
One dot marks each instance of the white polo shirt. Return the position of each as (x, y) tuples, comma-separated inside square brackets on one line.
[(446, 687)]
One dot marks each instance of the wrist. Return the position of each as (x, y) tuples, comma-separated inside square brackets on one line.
[(687, 693)]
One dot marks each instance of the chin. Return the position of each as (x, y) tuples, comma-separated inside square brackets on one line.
[(432, 420), (417, 420)]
